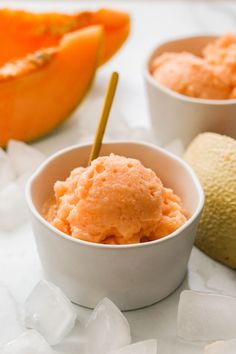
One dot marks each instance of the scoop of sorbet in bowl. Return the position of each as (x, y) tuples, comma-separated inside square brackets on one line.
[(210, 75), (190, 75), (115, 200), (191, 87), (119, 195)]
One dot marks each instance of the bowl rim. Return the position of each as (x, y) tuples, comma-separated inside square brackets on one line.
[(149, 78), (66, 150)]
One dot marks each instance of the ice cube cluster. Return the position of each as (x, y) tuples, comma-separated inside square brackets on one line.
[(49, 317), (16, 165)]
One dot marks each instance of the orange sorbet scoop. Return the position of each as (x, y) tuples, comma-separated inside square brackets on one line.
[(115, 200)]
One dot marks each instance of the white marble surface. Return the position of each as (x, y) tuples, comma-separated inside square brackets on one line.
[(153, 21)]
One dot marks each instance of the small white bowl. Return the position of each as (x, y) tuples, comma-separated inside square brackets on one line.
[(175, 116), (132, 276)]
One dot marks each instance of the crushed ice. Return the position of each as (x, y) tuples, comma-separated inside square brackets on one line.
[(16, 166), (24, 158)]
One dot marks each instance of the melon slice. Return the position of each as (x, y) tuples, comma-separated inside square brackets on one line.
[(116, 26), (40, 90), (25, 32)]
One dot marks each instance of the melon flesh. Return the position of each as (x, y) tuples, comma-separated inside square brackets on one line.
[(24, 32), (116, 26), (38, 92)]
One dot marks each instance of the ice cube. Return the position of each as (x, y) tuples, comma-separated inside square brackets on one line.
[(24, 158), (13, 209), (107, 328), (29, 342), (7, 174), (144, 347), (10, 322), (205, 317), (221, 347), (50, 312)]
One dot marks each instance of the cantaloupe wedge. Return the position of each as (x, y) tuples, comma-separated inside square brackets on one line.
[(116, 27), (40, 90), (25, 32)]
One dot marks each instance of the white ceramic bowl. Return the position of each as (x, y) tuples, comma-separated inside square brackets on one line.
[(175, 116), (132, 276)]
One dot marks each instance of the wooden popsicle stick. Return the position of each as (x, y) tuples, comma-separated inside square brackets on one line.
[(110, 93)]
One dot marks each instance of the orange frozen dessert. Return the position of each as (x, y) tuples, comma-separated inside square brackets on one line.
[(115, 200), (210, 76)]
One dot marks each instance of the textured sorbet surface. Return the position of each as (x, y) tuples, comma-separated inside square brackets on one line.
[(211, 75), (116, 200)]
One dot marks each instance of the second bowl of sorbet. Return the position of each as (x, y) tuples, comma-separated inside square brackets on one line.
[(191, 85)]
